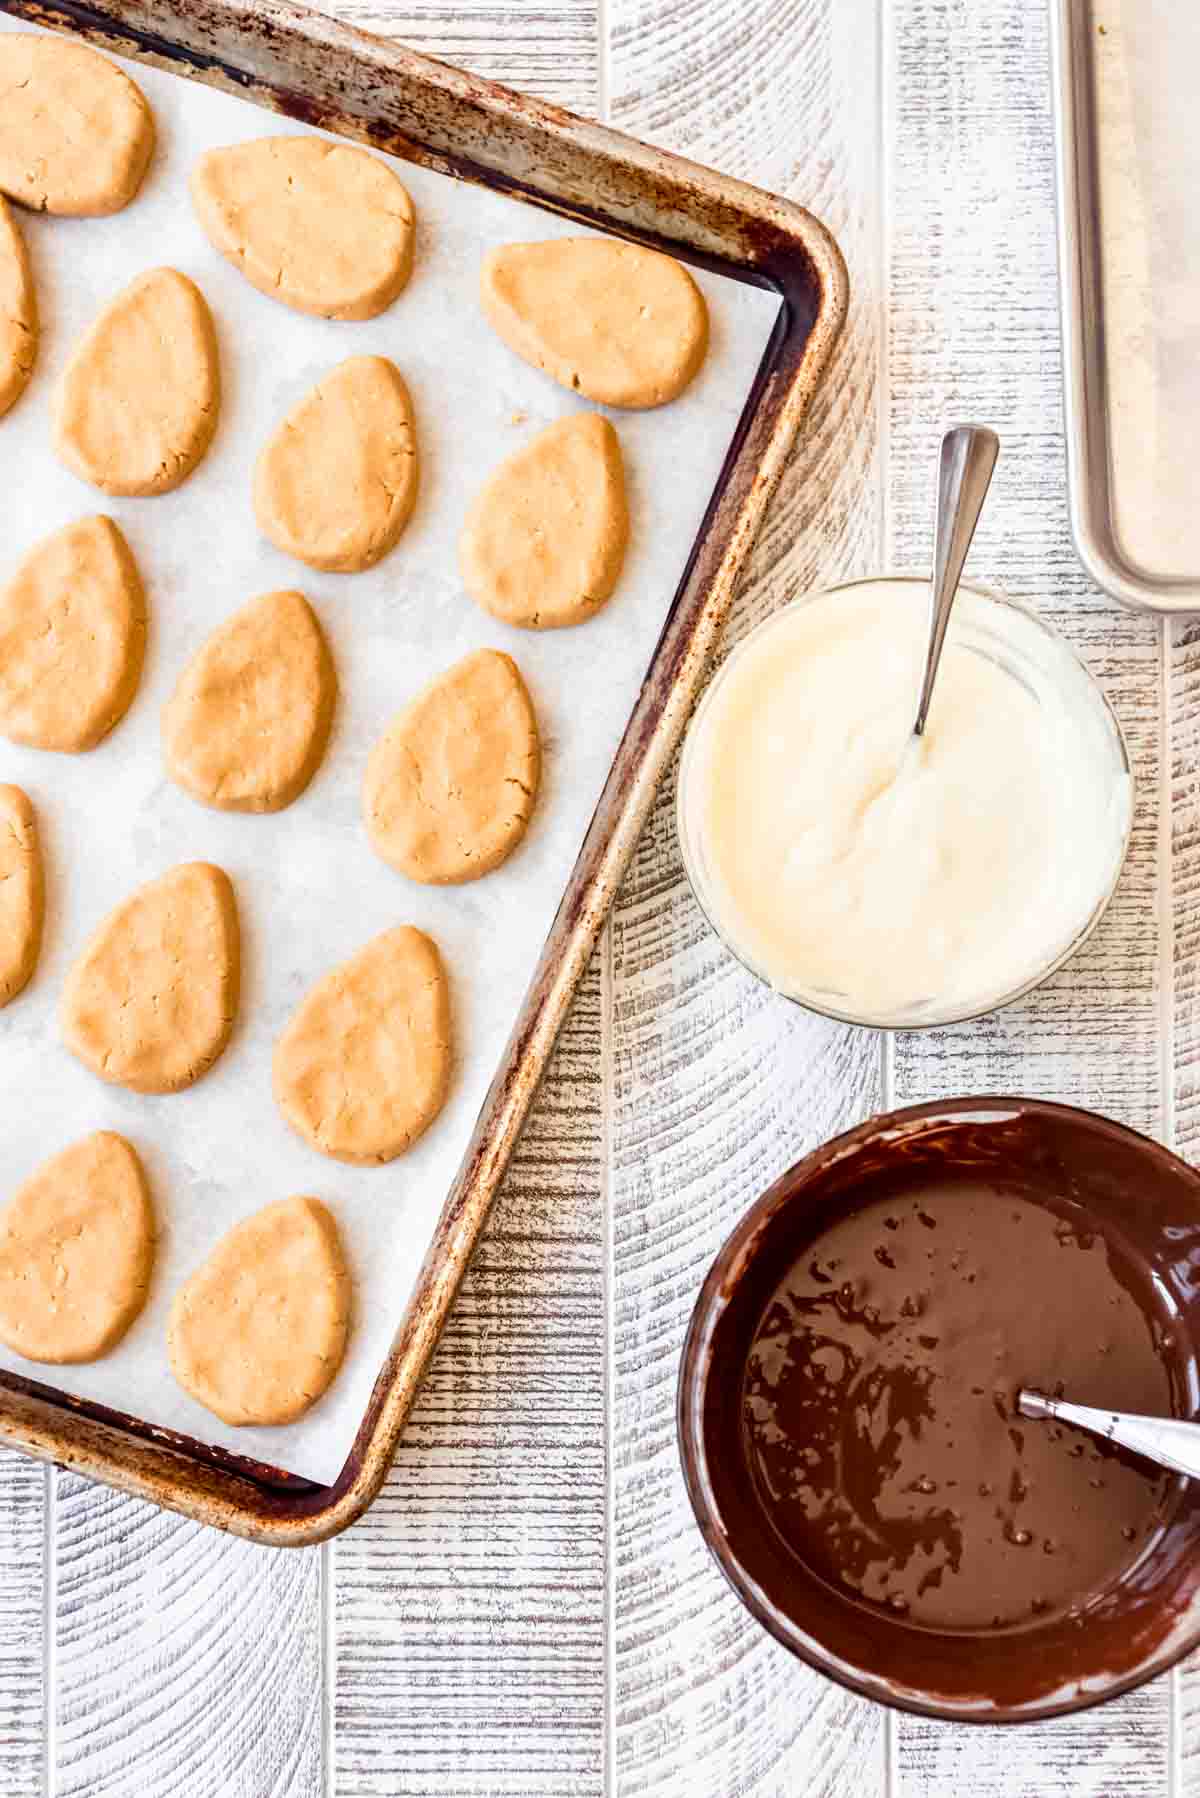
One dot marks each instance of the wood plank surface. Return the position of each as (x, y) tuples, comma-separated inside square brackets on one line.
[(553, 51), (973, 333), (716, 1085), (1182, 761), (1181, 910), (976, 333), (181, 1661), (23, 1741), (469, 1616)]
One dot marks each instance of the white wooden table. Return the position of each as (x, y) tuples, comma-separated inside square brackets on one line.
[(528, 1610)]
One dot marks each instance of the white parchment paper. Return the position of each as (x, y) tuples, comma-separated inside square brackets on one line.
[(310, 891)]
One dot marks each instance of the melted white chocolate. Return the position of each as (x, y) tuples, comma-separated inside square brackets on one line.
[(892, 878)]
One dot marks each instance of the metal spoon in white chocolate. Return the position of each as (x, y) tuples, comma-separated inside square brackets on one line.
[(965, 467)]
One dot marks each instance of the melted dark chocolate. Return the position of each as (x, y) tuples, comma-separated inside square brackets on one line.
[(880, 1407), (847, 1395)]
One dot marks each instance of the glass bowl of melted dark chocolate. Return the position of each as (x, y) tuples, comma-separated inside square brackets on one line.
[(848, 1421)]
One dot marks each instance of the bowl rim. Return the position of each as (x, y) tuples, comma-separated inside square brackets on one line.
[(690, 855), (720, 1282)]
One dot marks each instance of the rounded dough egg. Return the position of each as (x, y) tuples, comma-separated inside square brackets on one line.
[(150, 1002), (76, 1252), (363, 1068), (619, 324), (22, 893), (247, 724), (76, 134), (136, 407), (450, 787), (259, 1331), (544, 541), (336, 483), (72, 638), (18, 312), (325, 228)]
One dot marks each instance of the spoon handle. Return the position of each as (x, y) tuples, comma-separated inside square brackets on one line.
[(964, 473), (1171, 1441)]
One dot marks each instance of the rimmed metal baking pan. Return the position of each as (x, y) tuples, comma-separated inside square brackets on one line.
[(1128, 166), (326, 74)]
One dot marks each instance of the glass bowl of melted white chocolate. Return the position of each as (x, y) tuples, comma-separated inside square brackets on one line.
[(890, 880)]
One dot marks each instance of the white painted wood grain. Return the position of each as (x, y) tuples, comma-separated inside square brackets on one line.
[(716, 1085), (1117, 1751), (469, 1601), (22, 1587), (974, 333), (182, 1661), (551, 50), (1181, 723)]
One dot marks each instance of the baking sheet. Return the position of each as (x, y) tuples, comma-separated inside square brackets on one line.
[(309, 889), (1145, 54)]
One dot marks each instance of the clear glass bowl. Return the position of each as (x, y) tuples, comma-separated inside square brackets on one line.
[(1036, 650)]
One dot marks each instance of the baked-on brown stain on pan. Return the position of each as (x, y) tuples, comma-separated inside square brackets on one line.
[(847, 1407)]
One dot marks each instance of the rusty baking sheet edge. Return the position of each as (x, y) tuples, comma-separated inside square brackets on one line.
[(330, 75)]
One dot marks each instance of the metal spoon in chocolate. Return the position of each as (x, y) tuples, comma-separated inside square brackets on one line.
[(1171, 1441), (968, 456)]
